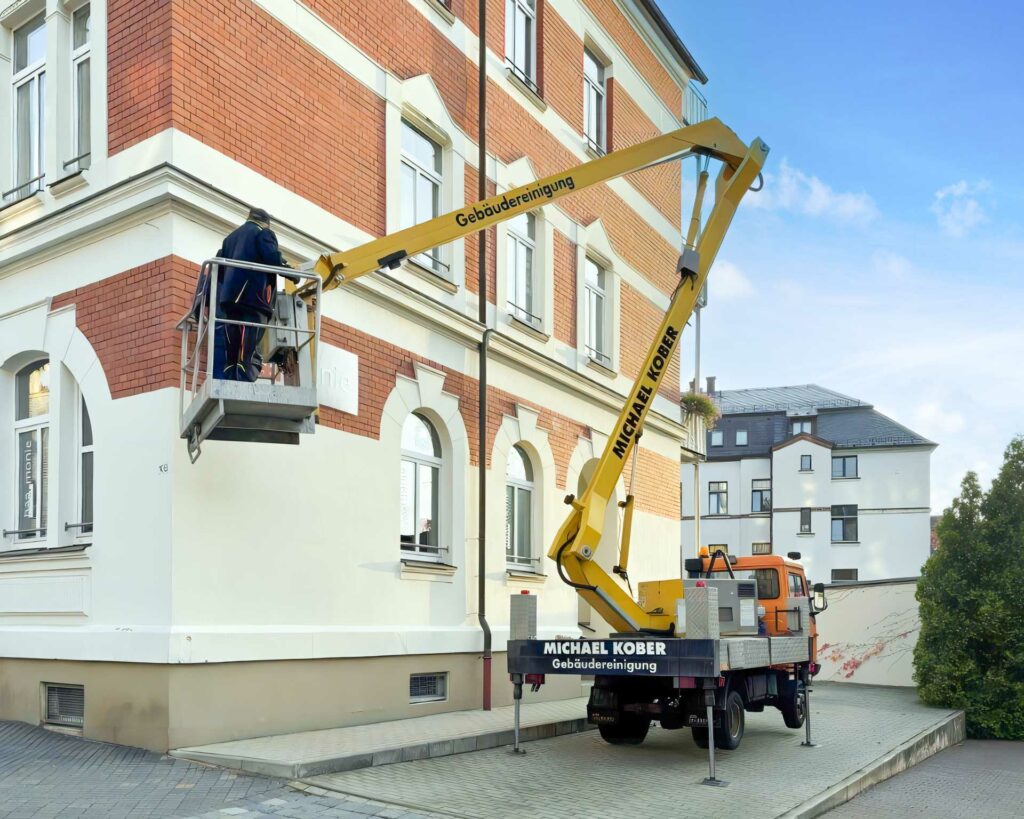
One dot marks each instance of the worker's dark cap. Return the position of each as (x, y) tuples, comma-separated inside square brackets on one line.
[(259, 215)]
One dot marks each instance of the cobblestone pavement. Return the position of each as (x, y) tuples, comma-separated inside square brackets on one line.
[(968, 781), (580, 775), (43, 774)]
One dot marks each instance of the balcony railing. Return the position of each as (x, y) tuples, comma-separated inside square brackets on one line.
[(695, 436), (695, 106)]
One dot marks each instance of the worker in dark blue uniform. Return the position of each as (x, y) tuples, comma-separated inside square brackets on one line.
[(246, 295)]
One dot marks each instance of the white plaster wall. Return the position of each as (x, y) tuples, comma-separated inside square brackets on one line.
[(868, 634)]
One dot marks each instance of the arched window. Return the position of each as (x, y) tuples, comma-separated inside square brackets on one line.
[(420, 486), (519, 509), (32, 437)]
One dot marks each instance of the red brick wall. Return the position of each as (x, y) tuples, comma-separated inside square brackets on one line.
[(622, 31), (564, 273), (138, 71), (129, 320), (637, 314)]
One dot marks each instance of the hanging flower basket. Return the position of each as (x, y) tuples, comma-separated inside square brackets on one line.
[(696, 403)]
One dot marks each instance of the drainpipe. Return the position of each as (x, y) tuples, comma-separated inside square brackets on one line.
[(482, 317)]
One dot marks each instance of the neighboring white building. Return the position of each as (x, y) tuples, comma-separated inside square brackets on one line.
[(810, 470)]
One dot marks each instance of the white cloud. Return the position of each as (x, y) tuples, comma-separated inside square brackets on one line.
[(727, 282), (792, 189), (957, 210)]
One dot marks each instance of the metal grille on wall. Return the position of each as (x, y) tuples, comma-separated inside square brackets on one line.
[(65, 705)]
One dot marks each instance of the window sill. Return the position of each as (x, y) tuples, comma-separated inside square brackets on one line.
[(767, 514), (44, 552), (604, 369), (591, 151), (846, 543), (515, 575), (415, 569), (430, 276), (805, 534), (442, 9), (844, 478), (806, 471), (531, 94), (71, 182), (18, 206), (529, 329)]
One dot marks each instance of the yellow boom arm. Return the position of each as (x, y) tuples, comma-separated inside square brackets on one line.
[(710, 137), (577, 540)]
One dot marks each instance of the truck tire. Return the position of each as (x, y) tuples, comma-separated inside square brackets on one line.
[(793, 705), (700, 737), (629, 730), (729, 733)]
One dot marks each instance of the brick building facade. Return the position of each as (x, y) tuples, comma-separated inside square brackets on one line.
[(183, 599)]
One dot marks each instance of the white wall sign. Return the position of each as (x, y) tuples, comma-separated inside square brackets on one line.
[(337, 380)]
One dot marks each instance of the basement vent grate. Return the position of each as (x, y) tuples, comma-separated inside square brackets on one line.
[(428, 687), (65, 705)]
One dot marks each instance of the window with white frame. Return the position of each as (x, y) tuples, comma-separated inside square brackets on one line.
[(519, 509), (420, 486), (802, 425), (717, 437), (594, 102), (81, 148), (85, 472), (28, 97), (32, 451), (521, 40), (595, 312), (741, 437), (422, 167), (521, 260)]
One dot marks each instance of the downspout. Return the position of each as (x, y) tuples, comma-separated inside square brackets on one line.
[(484, 341)]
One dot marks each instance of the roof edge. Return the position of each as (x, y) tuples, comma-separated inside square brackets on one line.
[(674, 40)]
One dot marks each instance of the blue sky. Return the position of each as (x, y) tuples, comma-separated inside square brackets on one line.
[(885, 257)]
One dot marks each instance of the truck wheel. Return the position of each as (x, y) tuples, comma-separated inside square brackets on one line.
[(729, 734), (629, 730), (794, 705), (700, 737)]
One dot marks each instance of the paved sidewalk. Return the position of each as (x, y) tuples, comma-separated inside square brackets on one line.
[(44, 774), (295, 756), (974, 779), (858, 728)]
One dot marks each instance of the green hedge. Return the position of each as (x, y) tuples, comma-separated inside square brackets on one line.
[(970, 653)]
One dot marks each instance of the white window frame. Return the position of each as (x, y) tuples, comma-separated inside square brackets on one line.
[(799, 426), (416, 549), (598, 292), (521, 286), (80, 159), (431, 259), (515, 557), (595, 96), (522, 13), (741, 437), (32, 424), (717, 437), (32, 74), (83, 528)]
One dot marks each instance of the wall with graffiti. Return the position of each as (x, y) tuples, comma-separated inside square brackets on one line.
[(868, 633)]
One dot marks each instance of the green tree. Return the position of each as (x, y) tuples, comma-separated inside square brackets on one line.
[(970, 653)]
